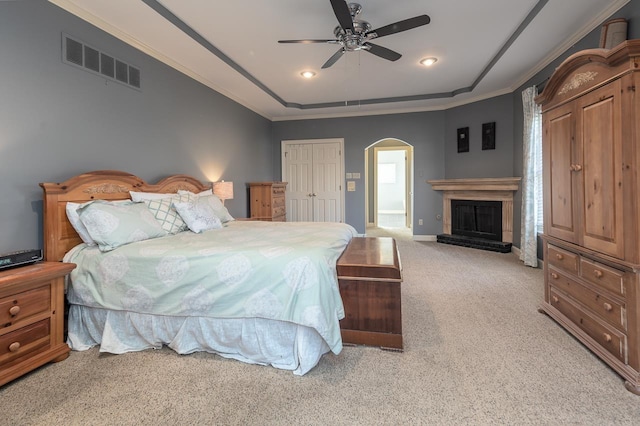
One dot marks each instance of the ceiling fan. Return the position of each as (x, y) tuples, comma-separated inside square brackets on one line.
[(354, 34)]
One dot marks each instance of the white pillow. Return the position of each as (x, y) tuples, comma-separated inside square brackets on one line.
[(205, 192), (74, 218), (198, 214), (142, 196)]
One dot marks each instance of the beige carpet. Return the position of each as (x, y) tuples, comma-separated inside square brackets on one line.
[(476, 352)]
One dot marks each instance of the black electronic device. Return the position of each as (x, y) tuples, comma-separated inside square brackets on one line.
[(21, 257)]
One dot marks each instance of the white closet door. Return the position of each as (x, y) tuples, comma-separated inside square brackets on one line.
[(327, 199), (299, 175), (314, 171)]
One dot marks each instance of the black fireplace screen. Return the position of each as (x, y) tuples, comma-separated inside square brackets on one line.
[(481, 219)]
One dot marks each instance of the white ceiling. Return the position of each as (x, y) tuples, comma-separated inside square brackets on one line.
[(233, 48)]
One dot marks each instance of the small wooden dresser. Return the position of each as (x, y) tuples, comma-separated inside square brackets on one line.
[(369, 276), (267, 201), (31, 317)]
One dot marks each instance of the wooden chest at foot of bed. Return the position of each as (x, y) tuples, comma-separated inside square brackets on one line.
[(369, 276)]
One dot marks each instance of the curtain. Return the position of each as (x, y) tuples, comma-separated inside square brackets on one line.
[(531, 178)]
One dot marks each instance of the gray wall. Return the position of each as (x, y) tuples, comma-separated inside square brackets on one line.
[(424, 131), (478, 163), (57, 121), (434, 138)]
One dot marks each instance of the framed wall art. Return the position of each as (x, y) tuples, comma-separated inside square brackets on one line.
[(489, 135), (463, 139)]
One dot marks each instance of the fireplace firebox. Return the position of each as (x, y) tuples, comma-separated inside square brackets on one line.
[(480, 219)]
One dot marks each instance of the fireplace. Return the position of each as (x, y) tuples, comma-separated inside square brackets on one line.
[(486, 209), (480, 219)]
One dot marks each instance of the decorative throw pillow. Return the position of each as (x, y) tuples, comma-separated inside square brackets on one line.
[(198, 214), (166, 214), (219, 208), (112, 225)]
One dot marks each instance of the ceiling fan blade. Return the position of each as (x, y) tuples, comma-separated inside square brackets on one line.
[(332, 60), (382, 52), (400, 26), (309, 41), (341, 10)]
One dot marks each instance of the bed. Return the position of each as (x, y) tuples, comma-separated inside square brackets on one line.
[(258, 292)]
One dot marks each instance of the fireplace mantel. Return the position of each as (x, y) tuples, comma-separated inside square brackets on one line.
[(483, 189), (480, 184)]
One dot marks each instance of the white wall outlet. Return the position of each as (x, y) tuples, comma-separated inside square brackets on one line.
[(420, 222), (351, 186)]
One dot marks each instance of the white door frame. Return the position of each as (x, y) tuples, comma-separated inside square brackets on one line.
[(283, 149), (408, 182)]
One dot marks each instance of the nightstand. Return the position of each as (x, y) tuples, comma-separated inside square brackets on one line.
[(31, 317)]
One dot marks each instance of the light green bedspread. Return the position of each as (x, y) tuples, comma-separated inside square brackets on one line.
[(282, 271)]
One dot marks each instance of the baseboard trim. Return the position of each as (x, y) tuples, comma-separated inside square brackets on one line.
[(424, 238)]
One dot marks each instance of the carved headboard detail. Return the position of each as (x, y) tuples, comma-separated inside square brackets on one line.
[(59, 235)]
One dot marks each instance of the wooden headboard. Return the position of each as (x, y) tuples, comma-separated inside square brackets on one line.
[(59, 235)]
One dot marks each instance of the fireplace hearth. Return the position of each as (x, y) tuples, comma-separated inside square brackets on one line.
[(478, 212)]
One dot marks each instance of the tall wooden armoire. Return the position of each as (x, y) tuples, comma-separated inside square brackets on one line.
[(591, 157)]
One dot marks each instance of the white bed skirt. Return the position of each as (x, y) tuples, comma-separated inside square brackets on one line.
[(280, 344)]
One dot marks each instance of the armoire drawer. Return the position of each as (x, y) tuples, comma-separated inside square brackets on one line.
[(563, 259), (606, 308), (603, 276), (609, 338)]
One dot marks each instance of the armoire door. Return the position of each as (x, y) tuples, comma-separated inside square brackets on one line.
[(599, 124), (314, 173), (560, 187)]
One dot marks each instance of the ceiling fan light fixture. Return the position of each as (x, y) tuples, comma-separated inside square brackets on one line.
[(308, 74), (427, 62)]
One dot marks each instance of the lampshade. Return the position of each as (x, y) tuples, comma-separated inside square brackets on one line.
[(224, 190)]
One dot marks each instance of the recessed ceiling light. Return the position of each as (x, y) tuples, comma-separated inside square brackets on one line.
[(308, 74), (427, 62)]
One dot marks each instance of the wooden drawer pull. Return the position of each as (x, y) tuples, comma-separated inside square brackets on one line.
[(554, 275), (15, 310), (559, 256), (607, 337), (555, 299), (607, 306), (597, 273), (14, 347)]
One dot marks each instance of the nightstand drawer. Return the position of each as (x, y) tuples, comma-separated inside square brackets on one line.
[(606, 308), (25, 340), (563, 259), (279, 211), (612, 340), (603, 276), (19, 307), (278, 202)]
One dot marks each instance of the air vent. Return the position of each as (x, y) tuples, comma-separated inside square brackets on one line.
[(79, 54)]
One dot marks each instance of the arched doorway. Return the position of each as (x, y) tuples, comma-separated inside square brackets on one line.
[(389, 184)]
